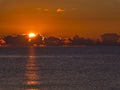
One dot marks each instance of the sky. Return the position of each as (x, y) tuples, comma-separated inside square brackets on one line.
[(87, 18)]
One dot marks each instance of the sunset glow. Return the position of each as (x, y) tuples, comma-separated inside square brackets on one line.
[(66, 18), (59, 44), (31, 35)]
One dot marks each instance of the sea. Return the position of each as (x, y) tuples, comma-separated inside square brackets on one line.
[(60, 68)]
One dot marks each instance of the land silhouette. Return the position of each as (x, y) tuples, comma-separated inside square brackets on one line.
[(22, 40)]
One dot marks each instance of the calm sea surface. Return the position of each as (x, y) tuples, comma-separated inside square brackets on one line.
[(60, 68)]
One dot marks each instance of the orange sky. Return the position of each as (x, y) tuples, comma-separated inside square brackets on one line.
[(88, 18)]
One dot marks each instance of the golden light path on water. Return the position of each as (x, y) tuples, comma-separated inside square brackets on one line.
[(32, 81)]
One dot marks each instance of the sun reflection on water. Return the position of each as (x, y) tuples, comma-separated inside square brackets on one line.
[(32, 89), (32, 75)]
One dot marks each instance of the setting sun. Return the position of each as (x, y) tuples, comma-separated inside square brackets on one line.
[(31, 35)]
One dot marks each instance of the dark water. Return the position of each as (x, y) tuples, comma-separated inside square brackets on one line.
[(60, 68)]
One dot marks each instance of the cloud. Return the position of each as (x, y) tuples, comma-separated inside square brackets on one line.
[(46, 9), (59, 10), (38, 8)]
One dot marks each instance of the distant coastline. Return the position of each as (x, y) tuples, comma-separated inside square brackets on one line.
[(107, 39)]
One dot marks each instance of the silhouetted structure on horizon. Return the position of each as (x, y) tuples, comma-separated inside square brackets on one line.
[(2, 42), (79, 41), (19, 40), (110, 39), (53, 41), (39, 40)]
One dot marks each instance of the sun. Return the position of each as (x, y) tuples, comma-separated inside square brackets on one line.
[(31, 35)]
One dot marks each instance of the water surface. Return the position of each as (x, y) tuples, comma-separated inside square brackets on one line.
[(60, 68)]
